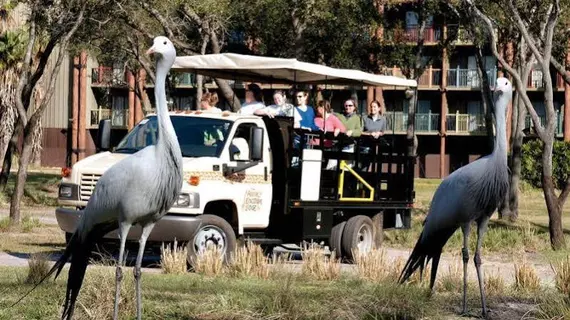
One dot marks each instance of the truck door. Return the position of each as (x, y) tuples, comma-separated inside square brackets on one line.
[(254, 183)]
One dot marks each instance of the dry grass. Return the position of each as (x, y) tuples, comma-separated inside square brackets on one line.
[(173, 259), (97, 296), (452, 280), (209, 263), (526, 278), (316, 265), (373, 266), (27, 225), (38, 268), (494, 284), (248, 261), (562, 275)]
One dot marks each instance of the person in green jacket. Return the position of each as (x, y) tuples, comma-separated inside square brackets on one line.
[(350, 119)]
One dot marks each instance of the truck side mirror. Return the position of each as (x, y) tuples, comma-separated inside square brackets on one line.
[(256, 151), (104, 135)]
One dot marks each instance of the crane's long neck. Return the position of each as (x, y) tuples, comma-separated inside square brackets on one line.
[(167, 140), (500, 149)]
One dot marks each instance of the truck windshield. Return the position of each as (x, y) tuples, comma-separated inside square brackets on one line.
[(198, 137)]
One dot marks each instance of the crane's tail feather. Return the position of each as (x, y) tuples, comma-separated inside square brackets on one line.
[(79, 261), (423, 252)]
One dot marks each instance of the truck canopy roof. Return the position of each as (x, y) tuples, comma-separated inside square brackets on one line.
[(235, 66)]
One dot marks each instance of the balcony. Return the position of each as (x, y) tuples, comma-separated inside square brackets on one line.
[(119, 117), (184, 79), (559, 130), (425, 122), (460, 123), (468, 78), (411, 34), (536, 81), (463, 37), (107, 76)]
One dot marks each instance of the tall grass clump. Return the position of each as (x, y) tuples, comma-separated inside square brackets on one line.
[(562, 276), (249, 261), (452, 280), (317, 265), (209, 263), (98, 295), (173, 259), (38, 268), (372, 266), (526, 279), (494, 284)]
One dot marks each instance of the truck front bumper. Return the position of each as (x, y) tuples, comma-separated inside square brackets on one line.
[(165, 230)]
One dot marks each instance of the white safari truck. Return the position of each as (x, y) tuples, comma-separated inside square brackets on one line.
[(245, 177)]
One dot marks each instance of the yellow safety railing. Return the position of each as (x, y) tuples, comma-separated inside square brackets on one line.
[(343, 166)]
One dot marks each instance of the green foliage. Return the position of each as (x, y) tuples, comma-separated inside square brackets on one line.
[(12, 48), (532, 163)]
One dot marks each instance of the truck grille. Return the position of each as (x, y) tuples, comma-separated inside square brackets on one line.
[(88, 182)]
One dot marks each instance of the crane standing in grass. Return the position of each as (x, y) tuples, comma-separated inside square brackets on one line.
[(471, 193), (140, 189)]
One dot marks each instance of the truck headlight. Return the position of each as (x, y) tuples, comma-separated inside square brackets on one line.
[(68, 191), (186, 200)]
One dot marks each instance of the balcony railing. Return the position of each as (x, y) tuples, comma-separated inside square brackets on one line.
[(108, 76), (536, 80), (469, 78), (529, 124), (119, 117), (465, 123), (411, 33), (463, 37), (425, 122)]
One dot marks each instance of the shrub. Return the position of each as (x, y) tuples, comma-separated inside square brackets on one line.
[(531, 170)]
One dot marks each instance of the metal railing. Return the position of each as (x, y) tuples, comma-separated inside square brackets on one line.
[(398, 122), (469, 78), (559, 130), (536, 80), (108, 76), (411, 33), (119, 117), (465, 123)]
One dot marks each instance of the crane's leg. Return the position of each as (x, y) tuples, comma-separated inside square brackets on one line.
[(466, 228), (142, 243), (481, 229), (123, 232)]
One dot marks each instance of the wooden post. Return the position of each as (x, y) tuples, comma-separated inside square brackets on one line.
[(82, 105), (131, 112), (567, 99), (75, 110), (443, 113)]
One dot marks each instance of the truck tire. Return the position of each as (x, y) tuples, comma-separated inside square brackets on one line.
[(335, 241), (358, 234), (211, 231)]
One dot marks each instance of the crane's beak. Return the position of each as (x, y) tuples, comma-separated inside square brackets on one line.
[(150, 50)]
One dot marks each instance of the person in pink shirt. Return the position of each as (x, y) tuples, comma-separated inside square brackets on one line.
[(327, 121)]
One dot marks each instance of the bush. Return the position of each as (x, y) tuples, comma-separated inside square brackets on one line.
[(531, 170)]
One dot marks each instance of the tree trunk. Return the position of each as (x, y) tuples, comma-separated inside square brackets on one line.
[(229, 94), (25, 156), (10, 152), (557, 239), (516, 160)]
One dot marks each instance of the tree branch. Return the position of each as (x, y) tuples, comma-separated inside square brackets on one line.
[(564, 195), (519, 84)]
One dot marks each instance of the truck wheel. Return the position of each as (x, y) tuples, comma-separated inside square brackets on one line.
[(335, 241), (211, 232), (358, 235)]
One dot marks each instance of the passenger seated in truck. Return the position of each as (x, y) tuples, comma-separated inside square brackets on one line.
[(253, 100), (326, 121), (280, 108)]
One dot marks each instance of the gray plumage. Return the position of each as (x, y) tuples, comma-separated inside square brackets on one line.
[(471, 193), (139, 189)]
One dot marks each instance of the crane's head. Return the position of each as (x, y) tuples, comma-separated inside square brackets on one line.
[(503, 94), (163, 47)]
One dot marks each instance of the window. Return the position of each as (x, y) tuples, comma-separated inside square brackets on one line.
[(239, 148)]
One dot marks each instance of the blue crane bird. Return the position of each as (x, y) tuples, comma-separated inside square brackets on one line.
[(139, 189), (471, 193)]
